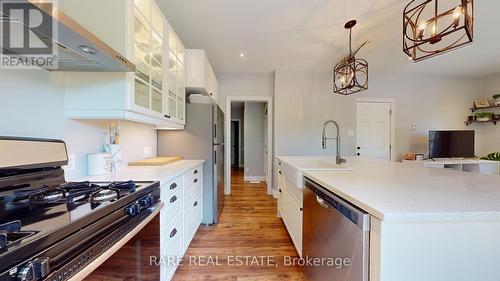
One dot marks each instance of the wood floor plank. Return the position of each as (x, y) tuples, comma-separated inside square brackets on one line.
[(248, 227)]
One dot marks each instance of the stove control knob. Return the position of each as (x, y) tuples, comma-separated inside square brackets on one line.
[(133, 209), (146, 201), (34, 270), (27, 273)]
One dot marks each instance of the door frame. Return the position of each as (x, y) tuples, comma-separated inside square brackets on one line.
[(392, 119), (240, 164), (227, 166)]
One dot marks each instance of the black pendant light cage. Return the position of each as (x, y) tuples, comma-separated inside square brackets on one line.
[(350, 75), (433, 27)]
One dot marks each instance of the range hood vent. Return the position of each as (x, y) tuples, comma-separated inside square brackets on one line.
[(77, 48)]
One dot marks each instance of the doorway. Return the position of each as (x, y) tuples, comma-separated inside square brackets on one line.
[(236, 144), (252, 147), (375, 128)]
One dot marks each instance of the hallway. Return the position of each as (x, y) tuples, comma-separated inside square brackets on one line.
[(248, 230)]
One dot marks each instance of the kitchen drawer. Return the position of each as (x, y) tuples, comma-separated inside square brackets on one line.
[(192, 175), (193, 189), (172, 207), (171, 248), (170, 188), (192, 220)]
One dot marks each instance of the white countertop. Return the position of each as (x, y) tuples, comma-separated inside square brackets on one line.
[(397, 192), (163, 174)]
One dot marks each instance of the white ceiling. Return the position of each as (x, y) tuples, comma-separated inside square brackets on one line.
[(309, 35)]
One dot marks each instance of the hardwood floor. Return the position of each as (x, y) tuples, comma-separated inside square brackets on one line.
[(249, 230)]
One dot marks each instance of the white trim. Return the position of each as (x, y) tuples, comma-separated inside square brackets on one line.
[(240, 163), (270, 124), (254, 178), (392, 103)]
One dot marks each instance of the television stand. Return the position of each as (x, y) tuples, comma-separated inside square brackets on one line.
[(486, 167)]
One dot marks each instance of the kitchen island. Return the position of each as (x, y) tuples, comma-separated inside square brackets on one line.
[(426, 224)]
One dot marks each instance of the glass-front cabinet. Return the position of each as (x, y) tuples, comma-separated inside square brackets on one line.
[(176, 77), (148, 53), (159, 56), (155, 93)]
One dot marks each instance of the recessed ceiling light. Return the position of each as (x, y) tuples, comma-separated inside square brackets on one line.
[(242, 55)]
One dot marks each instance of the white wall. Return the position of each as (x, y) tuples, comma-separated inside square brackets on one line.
[(33, 106), (254, 141), (244, 84), (304, 101), (488, 137)]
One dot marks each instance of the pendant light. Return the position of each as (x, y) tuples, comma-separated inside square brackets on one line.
[(350, 75), (432, 27)]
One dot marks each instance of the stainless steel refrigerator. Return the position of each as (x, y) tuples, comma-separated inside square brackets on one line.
[(203, 138)]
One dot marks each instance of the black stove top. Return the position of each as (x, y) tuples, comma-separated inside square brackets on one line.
[(46, 222)]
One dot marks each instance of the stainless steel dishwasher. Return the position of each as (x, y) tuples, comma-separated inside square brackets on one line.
[(336, 234)]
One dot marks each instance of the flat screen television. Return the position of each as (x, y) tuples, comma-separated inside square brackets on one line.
[(451, 144)]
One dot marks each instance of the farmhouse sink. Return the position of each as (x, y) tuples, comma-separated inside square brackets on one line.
[(293, 168)]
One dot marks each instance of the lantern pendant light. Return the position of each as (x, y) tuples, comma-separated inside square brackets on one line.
[(350, 75), (433, 27)]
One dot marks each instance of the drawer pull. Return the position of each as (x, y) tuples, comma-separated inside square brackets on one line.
[(195, 172), (195, 180), (195, 203), (173, 199), (280, 172), (173, 233), (281, 191), (173, 186), (301, 209)]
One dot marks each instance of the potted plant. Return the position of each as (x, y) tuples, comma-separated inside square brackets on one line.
[(484, 116), (497, 99)]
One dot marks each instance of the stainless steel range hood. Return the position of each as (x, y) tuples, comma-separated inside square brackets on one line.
[(77, 48)]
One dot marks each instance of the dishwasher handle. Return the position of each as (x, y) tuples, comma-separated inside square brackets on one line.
[(329, 201), (322, 203)]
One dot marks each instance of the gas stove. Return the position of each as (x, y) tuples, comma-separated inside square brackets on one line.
[(50, 228)]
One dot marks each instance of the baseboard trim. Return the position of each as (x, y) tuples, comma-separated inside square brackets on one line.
[(252, 178)]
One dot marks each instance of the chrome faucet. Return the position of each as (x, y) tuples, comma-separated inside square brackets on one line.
[(339, 160)]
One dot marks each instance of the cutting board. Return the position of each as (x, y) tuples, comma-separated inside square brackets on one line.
[(156, 161)]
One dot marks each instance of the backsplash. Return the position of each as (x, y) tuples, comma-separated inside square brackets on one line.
[(33, 106)]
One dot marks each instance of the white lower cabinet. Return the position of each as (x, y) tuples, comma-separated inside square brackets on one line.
[(180, 218), (290, 207)]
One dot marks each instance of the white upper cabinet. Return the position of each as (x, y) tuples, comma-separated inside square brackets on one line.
[(200, 77), (138, 29)]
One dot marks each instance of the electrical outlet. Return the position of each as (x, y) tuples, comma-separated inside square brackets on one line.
[(148, 152), (71, 162)]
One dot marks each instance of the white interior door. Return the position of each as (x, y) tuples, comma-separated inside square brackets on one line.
[(373, 130)]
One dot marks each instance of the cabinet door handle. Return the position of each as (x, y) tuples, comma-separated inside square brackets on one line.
[(173, 233), (195, 172), (173, 186), (167, 116), (358, 154), (195, 203), (195, 180), (279, 172), (301, 209), (359, 148), (280, 190), (173, 199)]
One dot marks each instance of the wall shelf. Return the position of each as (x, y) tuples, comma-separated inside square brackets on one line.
[(489, 121), (474, 109)]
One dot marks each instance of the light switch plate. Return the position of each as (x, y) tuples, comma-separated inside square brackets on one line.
[(148, 152)]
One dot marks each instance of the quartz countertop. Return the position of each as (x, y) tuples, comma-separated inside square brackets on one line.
[(163, 174), (396, 192)]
